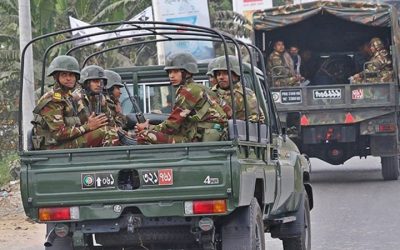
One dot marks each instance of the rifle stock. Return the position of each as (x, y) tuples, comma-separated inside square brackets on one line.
[(97, 109)]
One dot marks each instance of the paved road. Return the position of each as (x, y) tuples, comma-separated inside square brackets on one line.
[(354, 208)]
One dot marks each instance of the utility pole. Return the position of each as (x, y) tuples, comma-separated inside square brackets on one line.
[(28, 97)]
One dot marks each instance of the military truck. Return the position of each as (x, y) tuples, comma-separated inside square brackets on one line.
[(330, 118), (198, 195)]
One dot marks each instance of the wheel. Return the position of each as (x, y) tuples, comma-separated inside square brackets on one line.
[(244, 229), (59, 243), (302, 242), (390, 167)]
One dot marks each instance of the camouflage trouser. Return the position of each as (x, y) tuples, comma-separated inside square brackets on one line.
[(101, 137), (383, 76), (156, 137)]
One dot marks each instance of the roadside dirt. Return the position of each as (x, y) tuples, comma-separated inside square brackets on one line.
[(17, 232)]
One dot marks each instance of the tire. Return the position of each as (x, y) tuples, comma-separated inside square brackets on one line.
[(59, 243), (390, 168), (302, 242), (244, 229)]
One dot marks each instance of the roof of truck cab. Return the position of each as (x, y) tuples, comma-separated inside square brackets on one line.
[(381, 15)]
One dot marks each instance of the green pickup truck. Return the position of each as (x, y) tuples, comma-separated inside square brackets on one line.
[(200, 195), (332, 118)]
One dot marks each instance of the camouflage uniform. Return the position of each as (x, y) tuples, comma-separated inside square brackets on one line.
[(196, 115), (252, 104), (56, 122), (379, 68), (94, 102), (114, 80), (119, 118), (254, 113), (58, 126), (278, 72)]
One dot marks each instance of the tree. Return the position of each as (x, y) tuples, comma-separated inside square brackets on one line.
[(47, 16)]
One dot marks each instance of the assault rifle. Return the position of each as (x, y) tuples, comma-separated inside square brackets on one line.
[(139, 114)]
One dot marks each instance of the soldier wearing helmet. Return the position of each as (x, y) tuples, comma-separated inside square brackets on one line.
[(378, 68), (113, 93), (56, 123), (93, 80), (223, 90), (196, 115), (211, 78)]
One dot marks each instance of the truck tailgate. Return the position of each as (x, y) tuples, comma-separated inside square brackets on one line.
[(125, 175), (330, 104)]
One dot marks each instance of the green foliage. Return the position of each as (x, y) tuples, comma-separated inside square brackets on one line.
[(217, 5), (5, 164)]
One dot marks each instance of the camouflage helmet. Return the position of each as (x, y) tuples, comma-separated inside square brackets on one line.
[(377, 43), (182, 61), (63, 63), (92, 72), (210, 67), (113, 79), (220, 64)]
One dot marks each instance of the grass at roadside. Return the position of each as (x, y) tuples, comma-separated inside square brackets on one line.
[(5, 164)]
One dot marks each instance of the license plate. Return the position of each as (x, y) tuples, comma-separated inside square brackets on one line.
[(161, 177)]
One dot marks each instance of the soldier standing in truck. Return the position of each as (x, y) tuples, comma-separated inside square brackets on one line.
[(279, 70)]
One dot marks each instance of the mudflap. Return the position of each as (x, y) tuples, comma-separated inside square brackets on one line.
[(293, 228), (383, 145)]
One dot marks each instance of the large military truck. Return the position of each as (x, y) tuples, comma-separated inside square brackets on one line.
[(330, 118), (200, 195)]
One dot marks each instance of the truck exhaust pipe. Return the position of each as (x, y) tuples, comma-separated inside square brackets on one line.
[(51, 236)]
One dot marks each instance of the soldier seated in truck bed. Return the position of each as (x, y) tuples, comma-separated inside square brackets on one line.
[(58, 123), (196, 115), (379, 68)]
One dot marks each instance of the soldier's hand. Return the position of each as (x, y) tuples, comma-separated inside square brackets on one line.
[(142, 126), (118, 108), (357, 77), (95, 122)]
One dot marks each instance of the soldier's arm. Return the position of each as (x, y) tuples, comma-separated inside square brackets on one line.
[(184, 104), (53, 115)]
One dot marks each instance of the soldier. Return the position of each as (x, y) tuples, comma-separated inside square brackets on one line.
[(211, 78), (222, 89), (379, 68), (93, 80), (196, 115), (113, 90), (57, 124), (279, 69)]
